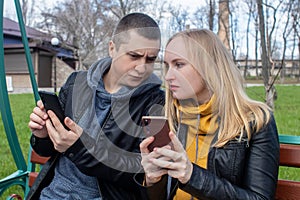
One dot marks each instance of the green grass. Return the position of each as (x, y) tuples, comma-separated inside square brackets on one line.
[(287, 114), (21, 107), (287, 107)]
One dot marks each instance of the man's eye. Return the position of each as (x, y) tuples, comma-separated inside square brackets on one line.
[(151, 60), (134, 55)]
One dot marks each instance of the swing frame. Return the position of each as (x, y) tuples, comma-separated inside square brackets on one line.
[(21, 176)]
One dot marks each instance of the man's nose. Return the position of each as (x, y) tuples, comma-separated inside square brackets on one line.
[(141, 66)]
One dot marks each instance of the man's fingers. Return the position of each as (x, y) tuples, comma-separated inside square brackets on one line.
[(40, 104), (55, 121), (50, 129), (73, 126)]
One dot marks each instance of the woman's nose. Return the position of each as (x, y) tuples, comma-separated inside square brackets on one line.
[(169, 74)]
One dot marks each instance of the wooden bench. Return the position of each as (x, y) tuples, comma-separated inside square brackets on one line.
[(35, 159), (290, 157)]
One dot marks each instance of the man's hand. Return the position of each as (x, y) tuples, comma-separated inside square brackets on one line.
[(61, 137), (38, 118)]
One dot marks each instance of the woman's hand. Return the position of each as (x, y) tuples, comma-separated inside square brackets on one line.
[(153, 172), (177, 163), (62, 138)]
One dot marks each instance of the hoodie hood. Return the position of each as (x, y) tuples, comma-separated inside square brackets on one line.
[(95, 82)]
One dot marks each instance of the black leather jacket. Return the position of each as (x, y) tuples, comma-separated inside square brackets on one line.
[(115, 179), (238, 170)]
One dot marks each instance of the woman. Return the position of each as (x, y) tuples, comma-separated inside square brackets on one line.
[(224, 145)]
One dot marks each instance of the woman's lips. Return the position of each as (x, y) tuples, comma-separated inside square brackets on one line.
[(173, 87)]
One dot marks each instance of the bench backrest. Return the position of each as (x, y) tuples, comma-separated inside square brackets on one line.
[(290, 157), (286, 189), (35, 159)]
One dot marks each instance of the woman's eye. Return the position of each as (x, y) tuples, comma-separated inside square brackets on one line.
[(179, 65), (166, 66)]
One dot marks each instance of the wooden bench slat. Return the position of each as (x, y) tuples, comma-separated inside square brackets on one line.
[(32, 177), (290, 155), (36, 158), (287, 190)]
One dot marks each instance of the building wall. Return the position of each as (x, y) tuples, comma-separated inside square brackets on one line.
[(20, 83), (62, 73), (17, 73), (15, 62), (44, 71)]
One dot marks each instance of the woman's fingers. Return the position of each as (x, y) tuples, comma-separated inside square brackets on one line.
[(176, 143), (145, 143)]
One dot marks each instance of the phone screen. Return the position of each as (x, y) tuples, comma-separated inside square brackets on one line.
[(158, 127), (51, 102)]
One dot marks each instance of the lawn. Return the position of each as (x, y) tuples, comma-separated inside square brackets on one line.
[(287, 114)]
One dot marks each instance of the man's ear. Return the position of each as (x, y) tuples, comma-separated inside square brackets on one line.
[(111, 48)]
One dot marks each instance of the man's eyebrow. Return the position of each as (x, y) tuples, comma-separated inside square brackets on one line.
[(152, 57), (135, 53)]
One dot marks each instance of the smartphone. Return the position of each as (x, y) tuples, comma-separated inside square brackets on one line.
[(158, 127), (51, 102)]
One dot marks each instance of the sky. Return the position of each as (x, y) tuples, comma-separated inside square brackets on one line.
[(190, 5), (10, 10)]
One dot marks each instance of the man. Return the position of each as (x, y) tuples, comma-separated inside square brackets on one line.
[(99, 157)]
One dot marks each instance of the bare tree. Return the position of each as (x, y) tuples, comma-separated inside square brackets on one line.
[(212, 13), (27, 11), (285, 35), (295, 14), (201, 18), (269, 88), (224, 32), (233, 28), (83, 24), (251, 9), (256, 45), (88, 24), (179, 17), (119, 8)]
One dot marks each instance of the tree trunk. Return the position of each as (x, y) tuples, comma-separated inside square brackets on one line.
[(223, 31), (211, 14), (269, 87)]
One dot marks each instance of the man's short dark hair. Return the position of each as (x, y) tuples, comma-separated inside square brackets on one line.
[(143, 24)]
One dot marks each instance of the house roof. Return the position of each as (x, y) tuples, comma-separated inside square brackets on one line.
[(12, 39), (11, 27)]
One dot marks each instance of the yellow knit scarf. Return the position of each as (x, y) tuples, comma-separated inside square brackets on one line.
[(202, 125)]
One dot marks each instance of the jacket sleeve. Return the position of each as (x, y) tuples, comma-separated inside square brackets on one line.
[(44, 146), (260, 174)]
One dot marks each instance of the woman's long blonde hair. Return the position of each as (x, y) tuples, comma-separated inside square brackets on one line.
[(214, 63)]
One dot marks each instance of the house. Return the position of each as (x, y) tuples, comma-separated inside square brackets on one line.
[(52, 64)]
